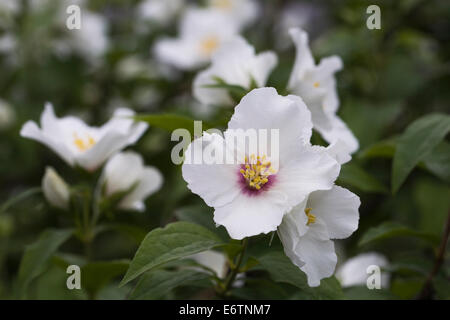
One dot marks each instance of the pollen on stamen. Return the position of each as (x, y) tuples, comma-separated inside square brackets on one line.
[(256, 173), (311, 217)]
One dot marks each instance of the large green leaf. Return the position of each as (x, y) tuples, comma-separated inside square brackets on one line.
[(95, 275), (170, 122), (416, 143), (389, 230), (357, 177), (157, 283), (438, 161), (175, 241), (38, 254), (281, 269)]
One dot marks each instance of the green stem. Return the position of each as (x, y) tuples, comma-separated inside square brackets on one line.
[(235, 269)]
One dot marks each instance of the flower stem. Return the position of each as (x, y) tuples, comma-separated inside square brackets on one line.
[(235, 269), (426, 291)]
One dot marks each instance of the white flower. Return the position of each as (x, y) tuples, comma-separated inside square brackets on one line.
[(160, 11), (252, 195), (307, 230), (317, 86), (214, 260), (126, 172), (243, 12), (55, 189), (201, 33), (91, 40), (354, 271), (80, 144), (235, 63)]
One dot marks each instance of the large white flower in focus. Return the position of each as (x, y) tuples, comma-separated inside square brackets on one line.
[(252, 195), (317, 86), (125, 172), (80, 144), (201, 33), (235, 63), (307, 230)]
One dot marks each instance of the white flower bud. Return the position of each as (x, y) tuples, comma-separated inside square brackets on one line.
[(55, 189)]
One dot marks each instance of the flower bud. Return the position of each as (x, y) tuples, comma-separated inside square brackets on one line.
[(55, 189)]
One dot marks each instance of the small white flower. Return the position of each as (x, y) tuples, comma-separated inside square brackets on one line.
[(91, 40), (214, 260), (317, 86), (80, 144), (235, 63), (126, 172), (160, 11), (251, 196), (55, 189), (243, 12), (307, 230), (354, 271), (201, 33)]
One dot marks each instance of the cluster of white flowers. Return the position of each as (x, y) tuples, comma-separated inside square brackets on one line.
[(294, 193), (202, 31), (89, 148)]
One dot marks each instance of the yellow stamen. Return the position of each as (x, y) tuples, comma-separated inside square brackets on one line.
[(311, 217), (316, 84), (222, 4), (83, 144), (209, 45), (256, 173)]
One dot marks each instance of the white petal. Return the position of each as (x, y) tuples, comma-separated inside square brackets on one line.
[(338, 208), (150, 181), (217, 184), (340, 131), (354, 271), (179, 53), (317, 253), (209, 96), (264, 108), (263, 66), (122, 171), (307, 170), (248, 216), (304, 59)]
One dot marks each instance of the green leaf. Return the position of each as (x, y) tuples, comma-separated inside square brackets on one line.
[(170, 122), (175, 241), (95, 275), (156, 284), (438, 161), (38, 254), (281, 269), (357, 177), (416, 143), (389, 230), (380, 149)]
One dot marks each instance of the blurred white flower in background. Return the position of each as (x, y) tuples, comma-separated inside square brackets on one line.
[(243, 12), (252, 195), (214, 260), (307, 230), (159, 11), (125, 172), (316, 84), (83, 145), (354, 271), (7, 115), (235, 63), (55, 189), (201, 33)]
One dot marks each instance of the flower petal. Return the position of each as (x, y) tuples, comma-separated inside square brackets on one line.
[(339, 131), (216, 183), (338, 208), (247, 216), (303, 59)]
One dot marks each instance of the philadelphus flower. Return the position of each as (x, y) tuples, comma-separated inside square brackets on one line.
[(252, 194), (235, 63), (354, 271), (80, 144), (201, 33), (317, 86), (55, 189), (125, 172), (243, 12), (307, 230), (160, 11)]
